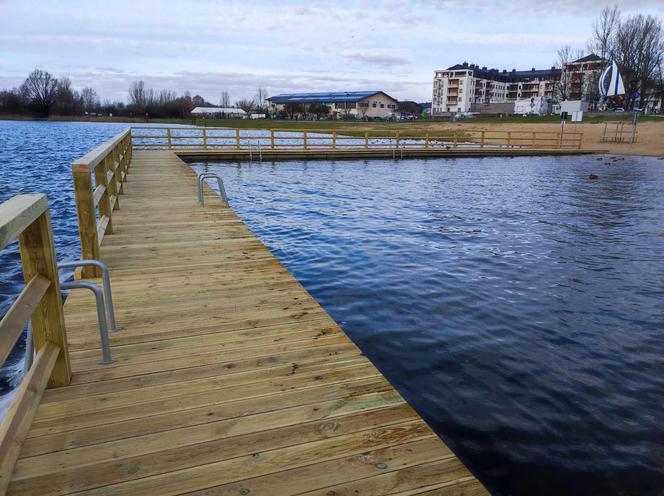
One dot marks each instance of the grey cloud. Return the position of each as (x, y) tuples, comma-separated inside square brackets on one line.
[(378, 59), (551, 7)]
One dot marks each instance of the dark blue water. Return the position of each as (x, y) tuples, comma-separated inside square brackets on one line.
[(36, 157), (514, 302), (517, 304)]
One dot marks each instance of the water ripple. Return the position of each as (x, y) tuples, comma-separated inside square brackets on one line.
[(515, 303)]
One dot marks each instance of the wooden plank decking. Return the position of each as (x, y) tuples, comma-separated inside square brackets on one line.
[(229, 378)]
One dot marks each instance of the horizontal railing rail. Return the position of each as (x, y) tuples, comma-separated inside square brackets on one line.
[(99, 177), (27, 218), (236, 139)]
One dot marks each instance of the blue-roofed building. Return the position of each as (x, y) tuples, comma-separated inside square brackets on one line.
[(341, 104)]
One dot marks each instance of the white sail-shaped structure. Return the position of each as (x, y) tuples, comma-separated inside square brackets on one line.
[(610, 81)]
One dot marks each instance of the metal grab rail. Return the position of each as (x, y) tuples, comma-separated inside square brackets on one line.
[(106, 279), (257, 144), (220, 184), (101, 315)]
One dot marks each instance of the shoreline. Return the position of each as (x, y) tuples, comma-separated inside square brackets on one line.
[(650, 137)]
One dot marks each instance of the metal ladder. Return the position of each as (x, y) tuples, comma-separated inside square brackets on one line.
[(220, 184), (104, 299), (105, 309), (260, 151)]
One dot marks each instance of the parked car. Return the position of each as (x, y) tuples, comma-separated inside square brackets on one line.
[(618, 109)]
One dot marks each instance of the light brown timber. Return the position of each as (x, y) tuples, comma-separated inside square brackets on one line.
[(229, 378)]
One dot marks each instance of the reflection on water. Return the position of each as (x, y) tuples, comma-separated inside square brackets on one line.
[(514, 302)]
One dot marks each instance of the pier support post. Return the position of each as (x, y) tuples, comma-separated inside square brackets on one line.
[(87, 223), (48, 322)]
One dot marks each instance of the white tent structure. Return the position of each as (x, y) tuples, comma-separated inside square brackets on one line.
[(218, 112)]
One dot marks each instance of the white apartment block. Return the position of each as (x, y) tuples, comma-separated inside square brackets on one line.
[(463, 87)]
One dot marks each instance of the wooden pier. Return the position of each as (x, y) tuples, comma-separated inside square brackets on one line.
[(201, 143), (228, 378)]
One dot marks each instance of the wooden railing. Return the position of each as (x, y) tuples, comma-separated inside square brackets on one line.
[(27, 217), (196, 138), (109, 165)]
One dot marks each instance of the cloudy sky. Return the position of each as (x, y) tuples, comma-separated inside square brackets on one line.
[(210, 46)]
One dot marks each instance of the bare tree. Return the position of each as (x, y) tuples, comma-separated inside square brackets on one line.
[(319, 110), (638, 49), (137, 95), (563, 85), (225, 100), (40, 89), (90, 99), (659, 86), (246, 105), (604, 30), (292, 109), (66, 98), (260, 99)]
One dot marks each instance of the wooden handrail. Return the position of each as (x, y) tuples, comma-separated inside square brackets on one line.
[(21, 413), (109, 164), (17, 213), (13, 323), (28, 218), (244, 138)]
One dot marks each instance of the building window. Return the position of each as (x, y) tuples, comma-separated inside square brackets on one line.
[(373, 104), (382, 105)]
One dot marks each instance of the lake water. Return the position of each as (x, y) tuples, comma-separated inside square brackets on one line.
[(36, 157), (515, 303)]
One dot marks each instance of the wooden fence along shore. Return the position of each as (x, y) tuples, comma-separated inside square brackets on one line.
[(226, 143), (228, 377)]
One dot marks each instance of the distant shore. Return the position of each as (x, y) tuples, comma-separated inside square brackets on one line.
[(71, 118), (650, 135)]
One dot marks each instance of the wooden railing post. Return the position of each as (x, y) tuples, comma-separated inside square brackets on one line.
[(112, 185), (580, 141), (168, 135), (48, 323), (455, 139), (117, 173), (426, 141), (272, 139), (205, 138), (366, 140), (334, 140), (397, 139), (509, 139), (304, 139), (105, 200), (87, 223), (482, 139), (237, 139), (130, 149)]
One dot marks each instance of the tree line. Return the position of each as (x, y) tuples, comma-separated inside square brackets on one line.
[(41, 95), (635, 43)]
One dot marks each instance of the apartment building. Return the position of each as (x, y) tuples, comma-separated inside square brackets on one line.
[(582, 76), (470, 88)]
